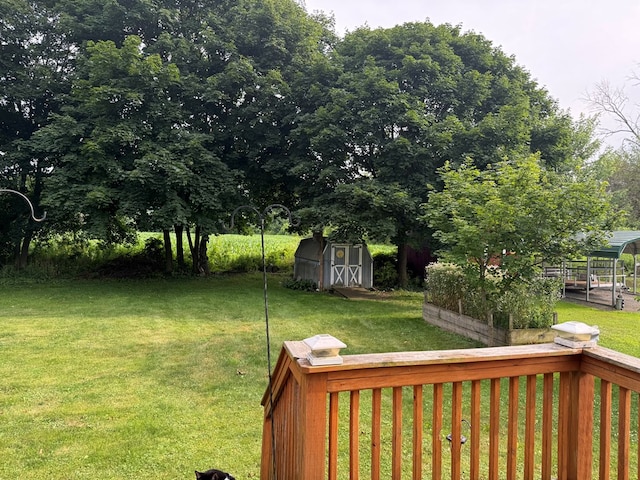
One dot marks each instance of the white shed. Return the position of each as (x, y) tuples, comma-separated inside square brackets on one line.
[(331, 264)]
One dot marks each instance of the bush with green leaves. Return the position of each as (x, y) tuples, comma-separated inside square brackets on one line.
[(530, 303), (304, 285), (64, 256), (445, 285), (385, 271)]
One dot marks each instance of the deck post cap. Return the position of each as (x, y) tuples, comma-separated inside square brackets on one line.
[(325, 349), (576, 334)]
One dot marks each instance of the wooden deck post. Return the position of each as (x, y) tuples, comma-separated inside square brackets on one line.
[(311, 431), (580, 426)]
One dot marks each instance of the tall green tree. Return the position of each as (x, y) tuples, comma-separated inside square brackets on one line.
[(404, 101), (244, 66), (129, 159), (164, 132), (515, 215), (621, 168), (265, 54), (34, 67)]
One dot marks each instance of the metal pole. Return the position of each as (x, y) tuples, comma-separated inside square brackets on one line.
[(588, 276), (261, 217), (635, 276), (614, 263)]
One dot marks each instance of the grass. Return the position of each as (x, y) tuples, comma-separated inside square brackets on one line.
[(162, 377), (617, 327), (157, 378)]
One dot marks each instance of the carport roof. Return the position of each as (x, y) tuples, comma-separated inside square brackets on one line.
[(622, 241)]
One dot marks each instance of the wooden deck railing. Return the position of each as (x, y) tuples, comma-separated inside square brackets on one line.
[(541, 411)]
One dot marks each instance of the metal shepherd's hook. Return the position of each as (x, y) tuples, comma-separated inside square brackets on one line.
[(26, 199), (262, 215)]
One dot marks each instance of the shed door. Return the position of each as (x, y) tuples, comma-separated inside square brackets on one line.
[(346, 265)]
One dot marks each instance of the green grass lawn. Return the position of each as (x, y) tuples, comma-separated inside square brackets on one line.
[(618, 328), (157, 378)]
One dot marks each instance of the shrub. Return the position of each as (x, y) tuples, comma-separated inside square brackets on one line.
[(154, 249), (445, 285), (64, 256), (304, 285), (385, 271), (530, 304)]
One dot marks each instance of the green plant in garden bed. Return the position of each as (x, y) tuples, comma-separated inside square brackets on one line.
[(530, 304)]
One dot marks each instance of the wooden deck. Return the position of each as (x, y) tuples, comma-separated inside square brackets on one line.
[(539, 411)]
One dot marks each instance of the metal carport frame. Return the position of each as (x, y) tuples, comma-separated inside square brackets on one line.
[(619, 242)]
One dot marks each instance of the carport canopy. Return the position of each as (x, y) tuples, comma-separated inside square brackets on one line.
[(621, 241)]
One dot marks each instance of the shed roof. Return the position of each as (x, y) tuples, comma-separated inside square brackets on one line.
[(622, 241), (309, 249)]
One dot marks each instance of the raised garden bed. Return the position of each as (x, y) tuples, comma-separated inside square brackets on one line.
[(483, 331)]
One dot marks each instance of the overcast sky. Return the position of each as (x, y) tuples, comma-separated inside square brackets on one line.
[(568, 46)]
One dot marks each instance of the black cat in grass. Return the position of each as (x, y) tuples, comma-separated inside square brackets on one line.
[(213, 474)]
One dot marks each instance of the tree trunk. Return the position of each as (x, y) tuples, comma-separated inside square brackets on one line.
[(190, 241), (22, 251), (179, 229), (168, 254), (203, 258), (198, 248), (194, 246), (403, 276)]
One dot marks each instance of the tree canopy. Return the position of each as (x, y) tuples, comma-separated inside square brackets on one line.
[(168, 116), (127, 115), (405, 100)]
